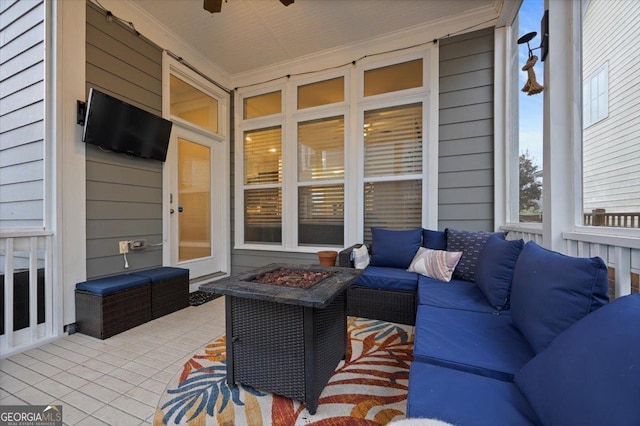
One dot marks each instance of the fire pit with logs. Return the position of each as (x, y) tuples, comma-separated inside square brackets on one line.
[(294, 278)]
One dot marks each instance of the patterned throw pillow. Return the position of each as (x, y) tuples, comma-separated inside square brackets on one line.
[(435, 264), (470, 244)]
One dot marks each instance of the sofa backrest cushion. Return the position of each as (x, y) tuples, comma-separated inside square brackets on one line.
[(590, 374), (470, 244), (494, 271), (394, 249), (434, 240), (551, 291)]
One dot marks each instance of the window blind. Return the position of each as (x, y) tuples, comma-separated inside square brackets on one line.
[(263, 156), (392, 205), (393, 141), (321, 149), (321, 214), (263, 215)]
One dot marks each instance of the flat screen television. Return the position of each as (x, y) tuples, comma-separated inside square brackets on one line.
[(118, 126)]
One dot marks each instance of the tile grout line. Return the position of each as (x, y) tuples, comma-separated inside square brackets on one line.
[(60, 348)]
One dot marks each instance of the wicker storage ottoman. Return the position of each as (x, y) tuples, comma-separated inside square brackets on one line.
[(111, 305), (169, 289)]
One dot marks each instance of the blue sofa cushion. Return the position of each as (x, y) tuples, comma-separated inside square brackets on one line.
[(494, 271), (114, 284), (388, 279), (590, 374), (162, 273), (394, 249), (462, 398), (456, 294), (434, 240), (470, 244), (480, 343), (551, 291)]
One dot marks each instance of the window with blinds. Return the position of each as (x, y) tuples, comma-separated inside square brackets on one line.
[(392, 205), (321, 159), (312, 149), (393, 141), (263, 185), (263, 156), (321, 149), (263, 215), (321, 215), (392, 168)]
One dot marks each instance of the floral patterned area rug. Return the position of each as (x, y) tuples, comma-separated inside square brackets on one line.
[(368, 388)]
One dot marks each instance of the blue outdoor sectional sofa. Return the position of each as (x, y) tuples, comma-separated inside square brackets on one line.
[(520, 335)]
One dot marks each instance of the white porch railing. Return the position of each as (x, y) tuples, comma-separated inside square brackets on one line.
[(621, 254), (26, 267), (524, 231)]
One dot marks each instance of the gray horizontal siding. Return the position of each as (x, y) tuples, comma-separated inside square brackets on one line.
[(244, 260), (22, 51), (124, 194), (466, 144)]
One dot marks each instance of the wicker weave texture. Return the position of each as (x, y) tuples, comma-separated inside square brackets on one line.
[(169, 295), (385, 305), (329, 342), (286, 349), (105, 316), (268, 346)]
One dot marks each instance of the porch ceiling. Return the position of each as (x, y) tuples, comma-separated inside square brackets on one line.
[(252, 34)]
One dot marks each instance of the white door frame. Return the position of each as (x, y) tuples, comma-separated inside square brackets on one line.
[(220, 235)]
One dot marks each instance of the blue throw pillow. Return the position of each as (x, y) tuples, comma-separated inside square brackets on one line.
[(494, 271), (434, 240), (470, 244), (551, 291), (394, 249), (590, 374)]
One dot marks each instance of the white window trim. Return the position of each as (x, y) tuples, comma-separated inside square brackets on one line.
[(220, 174), (586, 96), (172, 67), (353, 110), (244, 125)]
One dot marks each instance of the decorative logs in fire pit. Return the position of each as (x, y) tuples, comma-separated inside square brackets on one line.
[(294, 278)]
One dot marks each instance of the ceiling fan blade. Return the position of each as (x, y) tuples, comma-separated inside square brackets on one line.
[(287, 2), (212, 6)]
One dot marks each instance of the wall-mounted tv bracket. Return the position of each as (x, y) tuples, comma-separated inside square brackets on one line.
[(82, 111)]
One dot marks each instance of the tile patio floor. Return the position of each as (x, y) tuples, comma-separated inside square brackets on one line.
[(117, 381)]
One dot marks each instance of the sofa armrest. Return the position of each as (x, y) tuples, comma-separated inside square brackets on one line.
[(344, 257)]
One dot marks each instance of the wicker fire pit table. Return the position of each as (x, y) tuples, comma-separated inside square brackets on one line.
[(285, 339)]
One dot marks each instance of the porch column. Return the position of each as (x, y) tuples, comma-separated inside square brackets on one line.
[(70, 168), (562, 124)]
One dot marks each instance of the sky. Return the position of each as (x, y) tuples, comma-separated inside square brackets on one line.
[(530, 108)]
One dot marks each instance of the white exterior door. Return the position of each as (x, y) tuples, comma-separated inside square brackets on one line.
[(197, 216)]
